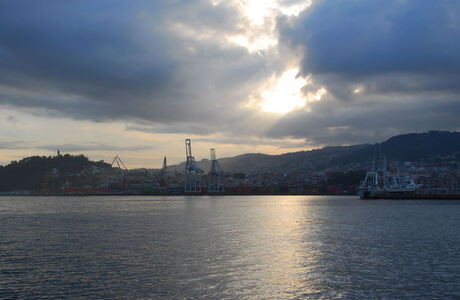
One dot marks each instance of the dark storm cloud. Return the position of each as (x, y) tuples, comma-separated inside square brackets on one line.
[(402, 56), (349, 36), (354, 39), (159, 61), (80, 46)]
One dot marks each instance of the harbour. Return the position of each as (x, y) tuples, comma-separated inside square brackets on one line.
[(380, 183), (239, 149)]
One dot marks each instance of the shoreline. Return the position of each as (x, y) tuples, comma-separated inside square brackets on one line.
[(379, 197)]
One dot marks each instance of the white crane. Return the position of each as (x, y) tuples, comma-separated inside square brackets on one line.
[(214, 185), (192, 173)]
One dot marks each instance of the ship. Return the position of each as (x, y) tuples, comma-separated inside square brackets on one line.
[(395, 186), (379, 184)]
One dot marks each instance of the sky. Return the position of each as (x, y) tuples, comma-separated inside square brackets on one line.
[(136, 78)]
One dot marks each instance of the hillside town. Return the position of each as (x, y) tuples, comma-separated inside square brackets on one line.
[(438, 174), (431, 160)]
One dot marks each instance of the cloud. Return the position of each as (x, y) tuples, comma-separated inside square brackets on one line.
[(16, 145), (372, 119), (12, 119), (389, 67), (183, 66), (95, 147), (252, 141), (178, 127), (161, 62), (415, 42), (9, 145)]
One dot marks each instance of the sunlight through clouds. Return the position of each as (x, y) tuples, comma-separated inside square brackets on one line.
[(254, 44), (295, 9), (358, 89), (286, 93), (260, 33), (257, 11), (316, 96)]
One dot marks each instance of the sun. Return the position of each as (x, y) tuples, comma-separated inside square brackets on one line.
[(285, 95)]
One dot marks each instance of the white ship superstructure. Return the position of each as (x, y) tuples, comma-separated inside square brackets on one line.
[(377, 181)]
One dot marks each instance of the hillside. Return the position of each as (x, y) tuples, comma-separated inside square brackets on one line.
[(405, 147), (411, 147), (29, 173), (36, 173)]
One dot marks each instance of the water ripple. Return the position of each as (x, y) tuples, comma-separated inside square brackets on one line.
[(228, 248)]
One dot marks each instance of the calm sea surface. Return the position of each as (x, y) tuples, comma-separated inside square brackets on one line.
[(228, 247)]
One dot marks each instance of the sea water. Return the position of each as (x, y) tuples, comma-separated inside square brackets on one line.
[(247, 247)]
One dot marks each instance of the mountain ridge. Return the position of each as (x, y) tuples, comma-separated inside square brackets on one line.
[(405, 147)]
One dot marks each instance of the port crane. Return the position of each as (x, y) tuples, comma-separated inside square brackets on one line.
[(164, 169), (119, 163), (214, 183), (163, 173), (192, 173)]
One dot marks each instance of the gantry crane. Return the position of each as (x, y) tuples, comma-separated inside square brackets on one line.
[(164, 169), (214, 183), (119, 162), (163, 173), (192, 173)]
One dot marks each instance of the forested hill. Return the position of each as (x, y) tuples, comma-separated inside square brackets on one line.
[(405, 147), (410, 147), (29, 173)]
